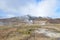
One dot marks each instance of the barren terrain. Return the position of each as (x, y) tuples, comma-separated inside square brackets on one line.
[(30, 32)]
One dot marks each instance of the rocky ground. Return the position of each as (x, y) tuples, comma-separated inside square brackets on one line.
[(33, 32)]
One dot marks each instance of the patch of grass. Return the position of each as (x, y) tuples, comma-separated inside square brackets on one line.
[(27, 29)]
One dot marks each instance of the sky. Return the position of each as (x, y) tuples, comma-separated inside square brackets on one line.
[(44, 8)]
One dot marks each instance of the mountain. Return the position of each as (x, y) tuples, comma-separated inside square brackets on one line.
[(11, 21), (27, 19)]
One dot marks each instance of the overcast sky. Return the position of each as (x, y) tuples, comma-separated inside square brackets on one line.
[(44, 8)]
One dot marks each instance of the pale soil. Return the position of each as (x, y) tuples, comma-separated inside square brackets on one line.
[(12, 34)]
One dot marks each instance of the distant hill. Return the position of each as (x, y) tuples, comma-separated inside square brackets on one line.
[(26, 19), (11, 21)]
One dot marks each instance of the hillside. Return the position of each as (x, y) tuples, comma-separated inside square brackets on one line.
[(15, 28), (28, 20)]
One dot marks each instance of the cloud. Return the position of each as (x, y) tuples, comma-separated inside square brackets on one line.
[(32, 7), (44, 8)]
